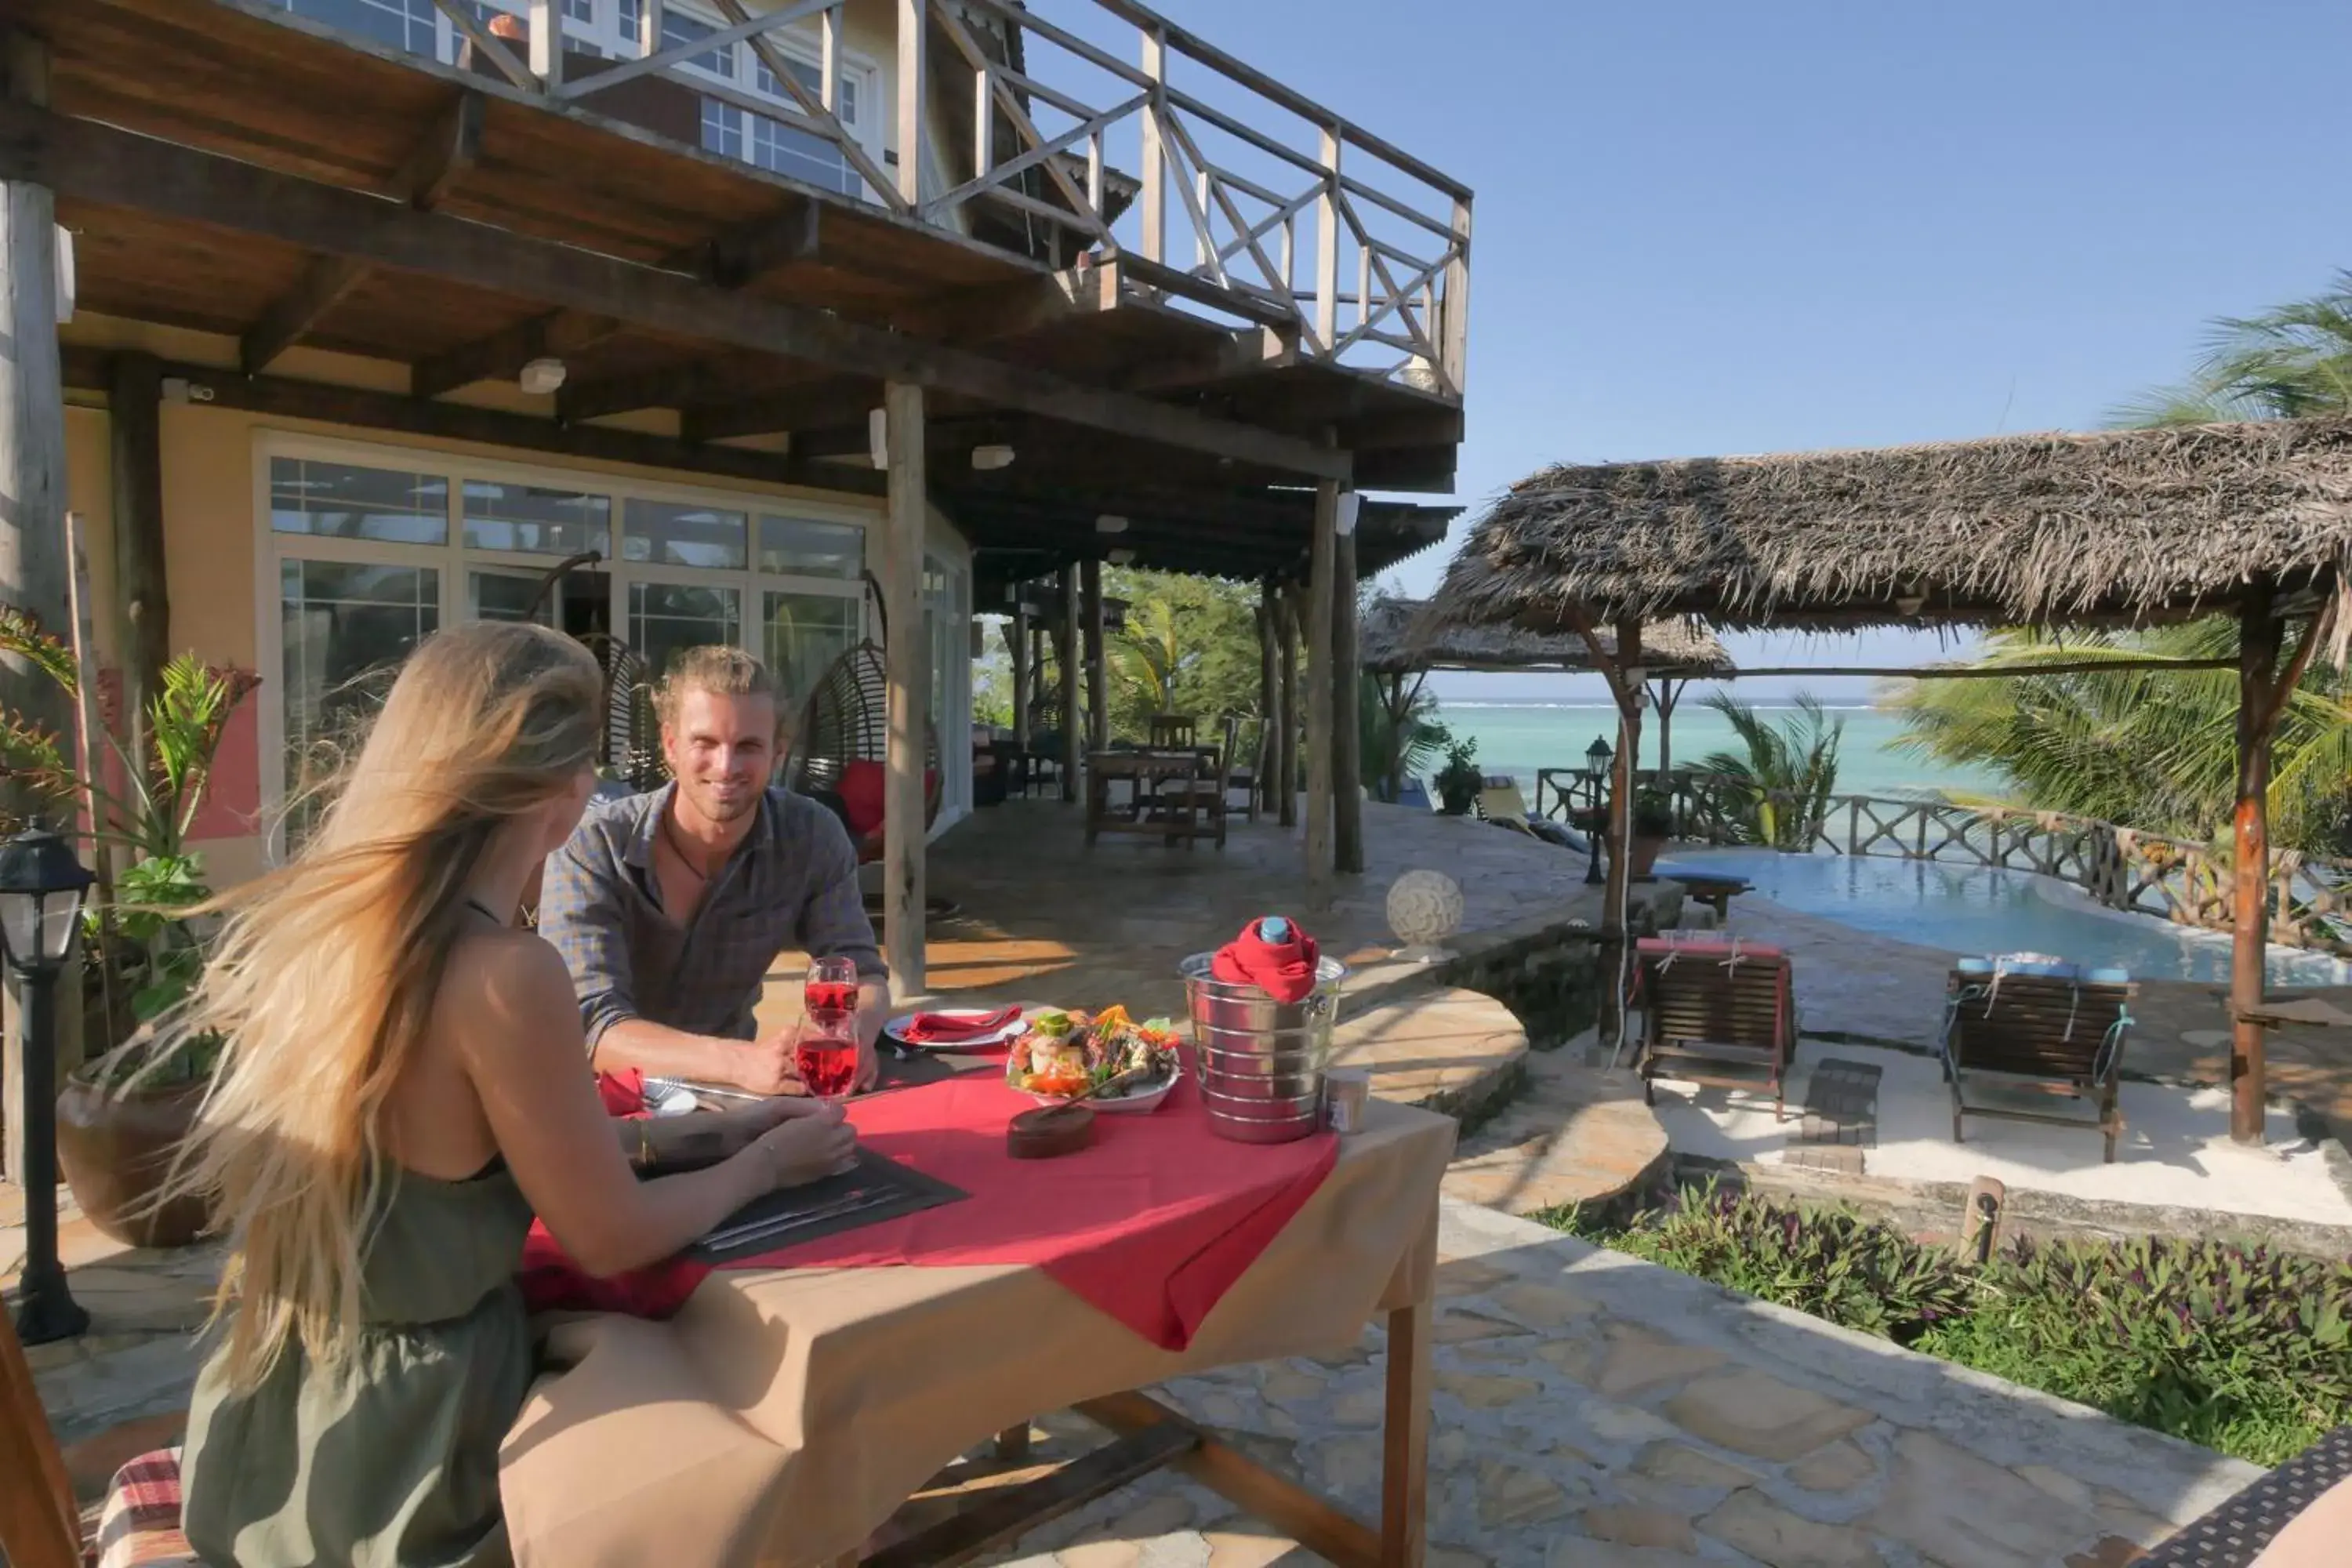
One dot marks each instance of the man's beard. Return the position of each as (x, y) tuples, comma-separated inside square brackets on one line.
[(720, 809)]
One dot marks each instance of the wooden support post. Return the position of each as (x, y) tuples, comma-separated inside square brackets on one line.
[(1320, 745), (142, 606), (1404, 1438), (547, 43), (914, 96), (1073, 746), (1270, 689), (906, 660), (1152, 201), (1347, 704), (35, 573), (1326, 247), (1016, 639), (1286, 771), (1615, 922), (1098, 673), (1453, 339), (2259, 634)]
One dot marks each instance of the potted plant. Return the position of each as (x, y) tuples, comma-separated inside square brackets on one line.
[(1459, 781), (1652, 824), (124, 1114)]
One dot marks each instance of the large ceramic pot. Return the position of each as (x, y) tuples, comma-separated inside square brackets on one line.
[(116, 1149)]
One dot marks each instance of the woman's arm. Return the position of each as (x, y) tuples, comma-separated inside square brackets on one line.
[(508, 1003)]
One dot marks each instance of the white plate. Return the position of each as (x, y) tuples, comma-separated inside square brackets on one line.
[(1126, 1104), (975, 1042)]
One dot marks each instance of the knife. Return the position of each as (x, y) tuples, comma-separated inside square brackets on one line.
[(734, 1241), (849, 1202)]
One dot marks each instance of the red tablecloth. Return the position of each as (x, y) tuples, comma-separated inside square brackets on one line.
[(1151, 1225)]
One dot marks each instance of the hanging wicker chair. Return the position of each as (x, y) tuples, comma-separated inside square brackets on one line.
[(843, 741)]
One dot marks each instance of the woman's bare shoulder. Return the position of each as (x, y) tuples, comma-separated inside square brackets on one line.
[(498, 979)]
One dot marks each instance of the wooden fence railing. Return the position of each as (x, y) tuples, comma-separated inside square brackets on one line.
[(2121, 868)]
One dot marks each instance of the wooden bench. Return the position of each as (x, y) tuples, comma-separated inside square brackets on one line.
[(1719, 1012), (2037, 1026)]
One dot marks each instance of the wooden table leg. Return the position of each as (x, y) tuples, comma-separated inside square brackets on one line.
[(1404, 1468)]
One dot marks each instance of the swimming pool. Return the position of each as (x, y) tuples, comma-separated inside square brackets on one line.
[(1977, 909)]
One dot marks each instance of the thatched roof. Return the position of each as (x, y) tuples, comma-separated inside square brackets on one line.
[(1398, 636), (2125, 528)]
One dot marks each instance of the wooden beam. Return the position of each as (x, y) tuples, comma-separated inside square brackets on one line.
[(1286, 749), (143, 604), (908, 661), (431, 170), (1347, 742), (1323, 556), (1252, 351), (914, 97), (2260, 633), (287, 397), (1269, 684), (1016, 640)]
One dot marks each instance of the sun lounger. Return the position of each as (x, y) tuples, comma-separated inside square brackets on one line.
[(2028, 1023), (1716, 1011), (1501, 804)]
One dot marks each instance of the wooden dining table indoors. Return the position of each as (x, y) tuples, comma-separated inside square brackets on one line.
[(792, 1403)]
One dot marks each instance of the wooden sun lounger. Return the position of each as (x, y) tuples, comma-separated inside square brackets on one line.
[(1719, 1013), (2059, 1033)]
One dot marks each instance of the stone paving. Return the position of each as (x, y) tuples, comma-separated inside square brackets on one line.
[(1593, 1411)]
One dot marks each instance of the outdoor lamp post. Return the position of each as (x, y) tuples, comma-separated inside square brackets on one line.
[(1597, 754), (41, 888)]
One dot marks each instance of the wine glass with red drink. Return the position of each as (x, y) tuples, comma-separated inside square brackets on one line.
[(826, 1054)]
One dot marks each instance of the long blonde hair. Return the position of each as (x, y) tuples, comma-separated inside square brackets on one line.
[(323, 976)]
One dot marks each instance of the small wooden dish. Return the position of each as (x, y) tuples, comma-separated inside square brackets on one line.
[(1050, 1130)]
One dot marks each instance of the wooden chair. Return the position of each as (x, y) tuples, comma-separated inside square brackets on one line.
[(1206, 794), (2037, 1025), (1174, 731), (1716, 1011), (40, 1525)]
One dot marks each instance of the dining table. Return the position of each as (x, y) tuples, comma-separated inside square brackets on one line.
[(791, 1404), (1175, 816)]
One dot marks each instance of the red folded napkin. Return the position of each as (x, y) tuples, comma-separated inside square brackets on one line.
[(1282, 970), (944, 1029)]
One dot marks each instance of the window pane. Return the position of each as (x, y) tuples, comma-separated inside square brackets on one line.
[(402, 24), (723, 129), (536, 519), (803, 634), (682, 535), (665, 618), (781, 150), (506, 596), (343, 502), (679, 29), (346, 627), (799, 547), (583, 11)]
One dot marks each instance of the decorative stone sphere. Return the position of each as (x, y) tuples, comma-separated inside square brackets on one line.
[(1425, 909)]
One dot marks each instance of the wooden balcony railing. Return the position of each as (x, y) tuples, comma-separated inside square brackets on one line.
[(1086, 127)]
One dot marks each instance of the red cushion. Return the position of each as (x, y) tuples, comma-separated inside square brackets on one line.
[(861, 796)]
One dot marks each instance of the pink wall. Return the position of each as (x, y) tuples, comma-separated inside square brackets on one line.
[(232, 808)]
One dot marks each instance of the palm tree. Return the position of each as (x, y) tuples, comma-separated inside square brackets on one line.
[(1398, 741), (2294, 362), (2152, 749), (1779, 793)]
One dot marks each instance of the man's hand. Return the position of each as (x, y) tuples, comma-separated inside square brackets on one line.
[(765, 1066)]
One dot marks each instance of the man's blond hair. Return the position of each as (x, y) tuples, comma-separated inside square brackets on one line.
[(719, 670)]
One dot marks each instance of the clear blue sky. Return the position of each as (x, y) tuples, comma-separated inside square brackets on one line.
[(1718, 228)]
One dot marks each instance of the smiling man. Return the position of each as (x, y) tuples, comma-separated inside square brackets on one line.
[(671, 907)]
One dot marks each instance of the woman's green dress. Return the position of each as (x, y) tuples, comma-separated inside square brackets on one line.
[(394, 1465)]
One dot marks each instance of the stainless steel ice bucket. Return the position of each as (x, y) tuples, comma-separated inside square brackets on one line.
[(1261, 1061)]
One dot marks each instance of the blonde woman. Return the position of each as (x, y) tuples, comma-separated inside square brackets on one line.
[(404, 1086)]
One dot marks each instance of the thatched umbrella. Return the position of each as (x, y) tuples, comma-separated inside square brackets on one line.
[(1402, 637), (2124, 528)]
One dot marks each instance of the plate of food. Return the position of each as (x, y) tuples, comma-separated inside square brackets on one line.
[(956, 1029), (1114, 1063)]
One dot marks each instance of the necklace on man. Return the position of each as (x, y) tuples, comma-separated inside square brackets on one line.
[(669, 834)]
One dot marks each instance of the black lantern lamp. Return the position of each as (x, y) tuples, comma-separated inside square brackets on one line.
[(41, 887), (1597, 755)]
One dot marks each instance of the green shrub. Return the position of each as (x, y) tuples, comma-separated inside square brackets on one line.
[(2244, 1350)]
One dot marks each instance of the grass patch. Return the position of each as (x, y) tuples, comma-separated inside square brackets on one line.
[(2244, 1350)]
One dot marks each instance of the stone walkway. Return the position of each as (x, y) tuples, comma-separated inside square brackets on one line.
[(1593, 1411)]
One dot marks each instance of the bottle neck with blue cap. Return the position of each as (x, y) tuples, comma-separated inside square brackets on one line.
[(1273, 929)]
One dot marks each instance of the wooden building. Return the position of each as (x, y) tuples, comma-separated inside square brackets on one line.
[(338, 320)]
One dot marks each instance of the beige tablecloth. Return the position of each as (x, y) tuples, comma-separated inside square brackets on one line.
[(784, 1414)]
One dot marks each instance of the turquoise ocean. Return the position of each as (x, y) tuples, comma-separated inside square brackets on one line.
[(1519, 737)]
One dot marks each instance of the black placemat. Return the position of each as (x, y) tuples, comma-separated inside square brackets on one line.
[(920, 1066), (901, 1189)]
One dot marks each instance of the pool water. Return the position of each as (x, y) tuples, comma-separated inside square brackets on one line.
[(1978, 910)]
